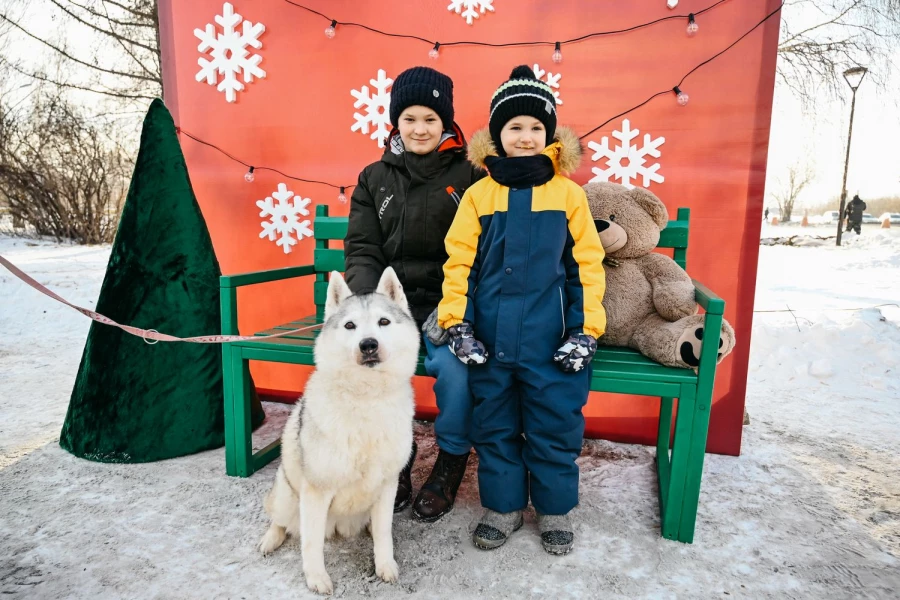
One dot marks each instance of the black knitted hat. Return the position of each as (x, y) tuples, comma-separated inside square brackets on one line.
[(423, 86), (522, 94)]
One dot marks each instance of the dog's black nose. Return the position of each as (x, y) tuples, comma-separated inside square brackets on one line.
[(601, 224), (369, 346)]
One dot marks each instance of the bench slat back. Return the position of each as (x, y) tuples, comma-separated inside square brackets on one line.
[(327, 229)]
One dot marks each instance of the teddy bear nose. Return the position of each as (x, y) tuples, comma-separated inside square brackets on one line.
[(601, 225)]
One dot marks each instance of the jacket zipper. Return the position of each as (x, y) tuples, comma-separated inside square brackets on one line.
[(562, 311)]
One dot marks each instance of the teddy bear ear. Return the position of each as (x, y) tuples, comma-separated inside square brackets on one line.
[(652, 205)]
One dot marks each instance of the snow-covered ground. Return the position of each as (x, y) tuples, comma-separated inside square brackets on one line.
[(810, 510)]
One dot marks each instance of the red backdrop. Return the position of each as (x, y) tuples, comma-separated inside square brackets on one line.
[(298, 119)]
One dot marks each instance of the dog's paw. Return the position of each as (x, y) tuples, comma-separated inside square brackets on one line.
[(319, 582), (388, 571), (272, 540)]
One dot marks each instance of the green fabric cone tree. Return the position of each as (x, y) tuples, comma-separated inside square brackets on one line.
[(135, 402)]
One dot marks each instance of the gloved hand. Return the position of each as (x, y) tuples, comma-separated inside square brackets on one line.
[(576, 353), (464, 345), (436, 334)]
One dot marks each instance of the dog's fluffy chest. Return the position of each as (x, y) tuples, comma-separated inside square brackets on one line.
[(357, 461), (354, 448)]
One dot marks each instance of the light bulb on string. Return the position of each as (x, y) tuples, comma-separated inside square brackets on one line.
[(434, 53), (330, 30), (557, 54), (680, 96), (342, 197), (248, 176), (692, 26)]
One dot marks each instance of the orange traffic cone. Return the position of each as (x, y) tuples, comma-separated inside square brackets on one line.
[(805, 221), (886, 223), (774, 220)]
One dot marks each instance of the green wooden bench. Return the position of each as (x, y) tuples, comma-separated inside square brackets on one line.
[(616, 370)]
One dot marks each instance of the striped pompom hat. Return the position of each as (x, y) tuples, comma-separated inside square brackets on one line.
[(522, 94)]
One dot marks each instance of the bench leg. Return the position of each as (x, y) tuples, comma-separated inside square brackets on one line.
[(228, 398), (243, 441), (672, 474), (663, 440), (695, 468)]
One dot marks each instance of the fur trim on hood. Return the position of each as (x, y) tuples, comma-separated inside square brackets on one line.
[(565, 151)]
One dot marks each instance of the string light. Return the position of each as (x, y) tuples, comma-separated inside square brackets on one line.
[(190, 135), (692, 26), (680, 95), (330, 30), (557, 54), (433, 53)]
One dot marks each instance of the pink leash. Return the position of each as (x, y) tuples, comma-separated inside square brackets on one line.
[(146, 334)]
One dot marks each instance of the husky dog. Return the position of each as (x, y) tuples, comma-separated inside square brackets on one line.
[(349, 437)]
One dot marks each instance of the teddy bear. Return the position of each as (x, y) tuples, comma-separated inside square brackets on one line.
[(649, 299)]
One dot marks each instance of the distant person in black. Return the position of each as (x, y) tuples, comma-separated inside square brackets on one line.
[(854, 214)]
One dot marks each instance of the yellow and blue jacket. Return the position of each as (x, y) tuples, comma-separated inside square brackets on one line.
[(525, 263)]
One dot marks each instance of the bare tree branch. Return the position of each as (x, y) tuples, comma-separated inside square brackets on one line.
[(786, 195), (836, 35), (109, 31), (104, 92), (74, 59), (94, 12), (133, 11)]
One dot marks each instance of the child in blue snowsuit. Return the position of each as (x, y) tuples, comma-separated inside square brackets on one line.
[(522, 303)]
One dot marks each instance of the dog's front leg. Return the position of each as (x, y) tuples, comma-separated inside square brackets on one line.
[(314, 506), (382, 519)]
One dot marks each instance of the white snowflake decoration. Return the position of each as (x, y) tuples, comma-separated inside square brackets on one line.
[(551, 80), (468, 9), (377, 108), (284, 218), (229, 52), (634, 158)]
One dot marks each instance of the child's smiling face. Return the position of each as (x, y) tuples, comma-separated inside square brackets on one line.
[(420, 129), (523, 136)]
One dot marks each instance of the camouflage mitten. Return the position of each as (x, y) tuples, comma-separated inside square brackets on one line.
[(464, 345), (576, 353), (436, 334)]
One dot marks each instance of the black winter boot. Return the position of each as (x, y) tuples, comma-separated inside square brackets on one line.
[(404, 485), (436, 497)]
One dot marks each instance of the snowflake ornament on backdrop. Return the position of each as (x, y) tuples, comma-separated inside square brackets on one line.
[(627, 161), (284, 218), (468, 9), (551, 79), (229, 52), (377, 106)]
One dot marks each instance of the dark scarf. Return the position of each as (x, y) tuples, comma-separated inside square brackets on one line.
[(520, 171)]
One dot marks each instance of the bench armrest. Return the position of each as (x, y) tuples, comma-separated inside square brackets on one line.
[(228, 285), (706, 298), (242, 279)]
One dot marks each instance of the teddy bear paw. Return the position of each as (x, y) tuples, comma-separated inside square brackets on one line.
[(691, 342)]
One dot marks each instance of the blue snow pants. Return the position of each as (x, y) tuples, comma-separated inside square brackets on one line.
[(527, 427)]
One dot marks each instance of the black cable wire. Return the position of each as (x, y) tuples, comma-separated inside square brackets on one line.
[(255, 168), (507, 44), (705, 62), (621, 114)]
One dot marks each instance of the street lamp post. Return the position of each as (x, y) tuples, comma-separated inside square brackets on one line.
[(853, 77)]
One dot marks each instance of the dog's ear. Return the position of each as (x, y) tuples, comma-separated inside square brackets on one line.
[(338, 291), (390, 286)]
